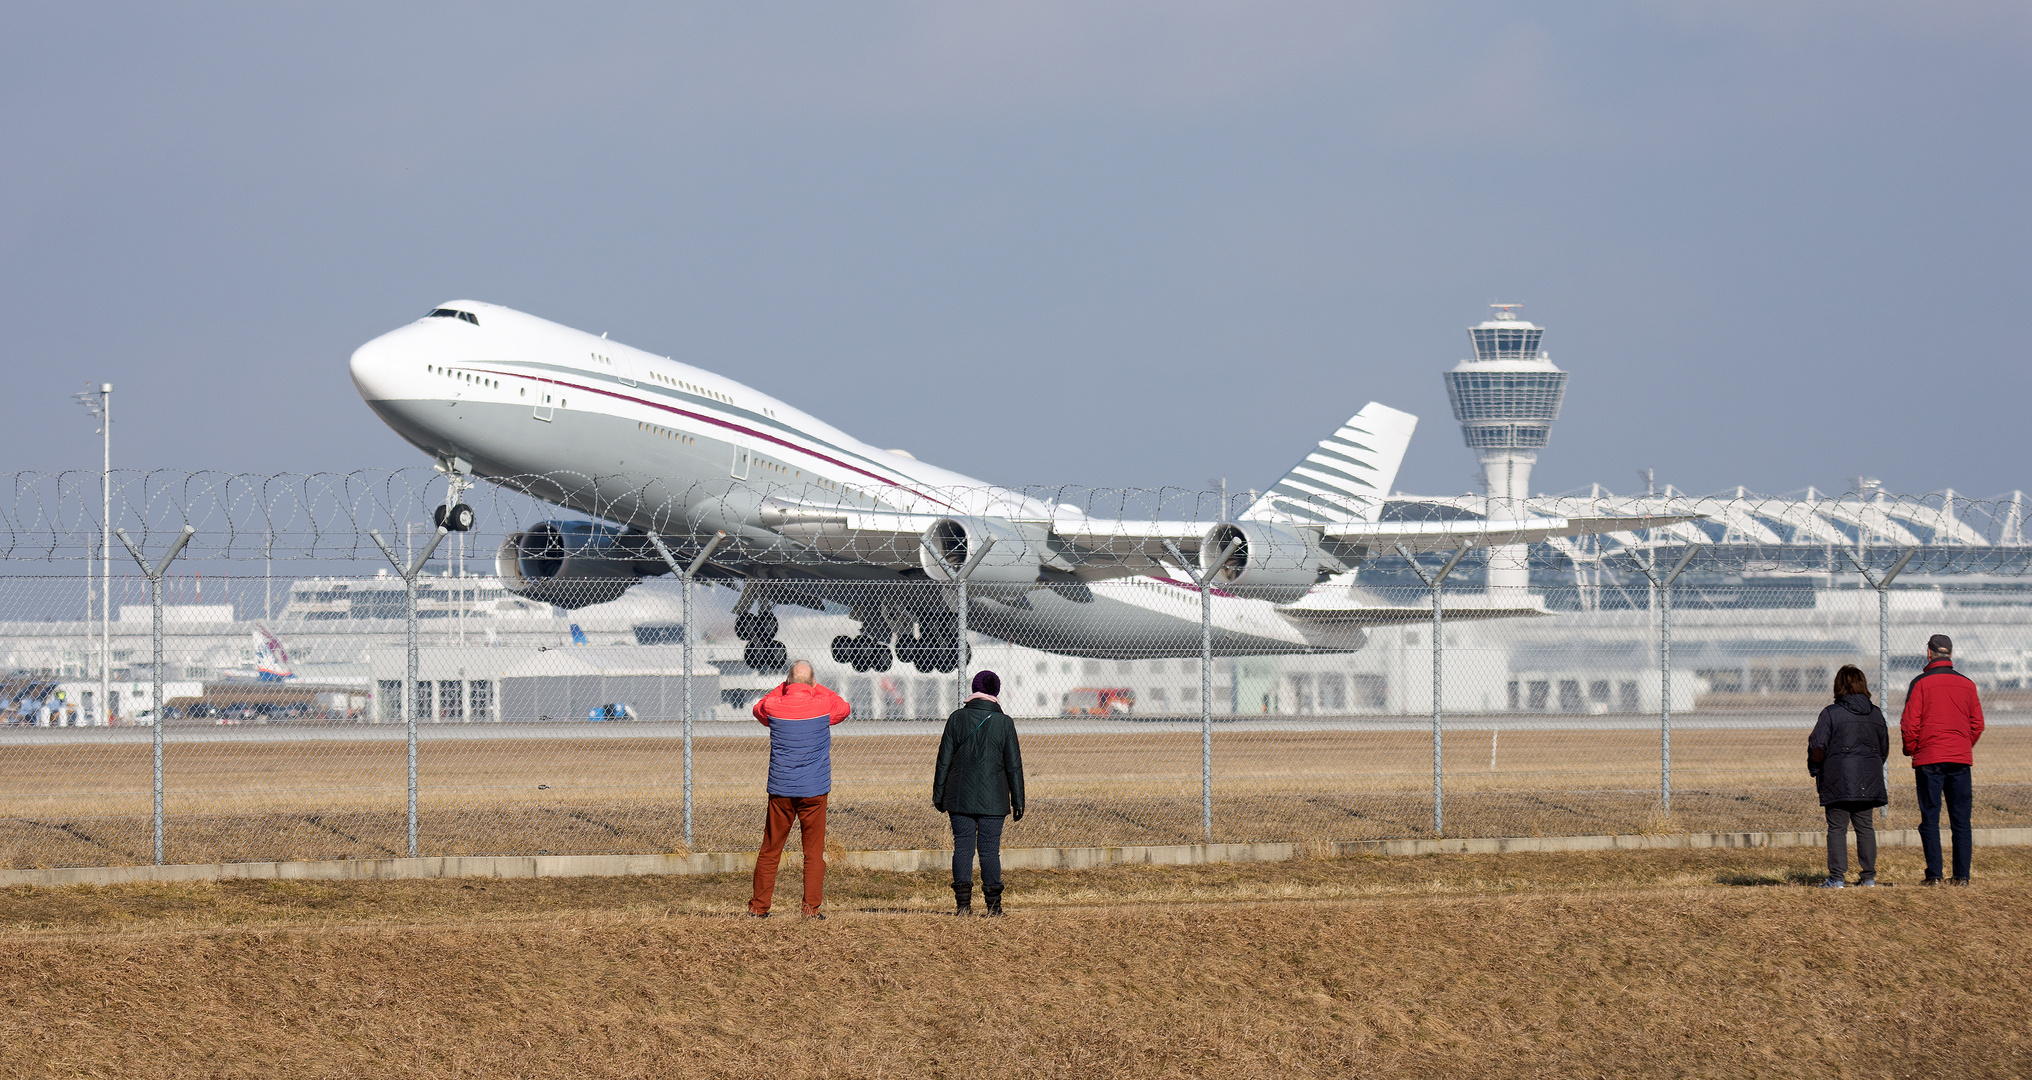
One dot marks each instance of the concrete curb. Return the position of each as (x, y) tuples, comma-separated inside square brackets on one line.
[(923, 860)]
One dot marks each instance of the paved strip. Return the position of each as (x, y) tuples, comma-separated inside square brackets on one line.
[(725, 729), (934, 860)]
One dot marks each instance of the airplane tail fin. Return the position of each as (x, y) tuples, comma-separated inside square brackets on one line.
[(1347, 475)]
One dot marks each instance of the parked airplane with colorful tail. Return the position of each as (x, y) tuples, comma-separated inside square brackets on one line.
[(645, 444)]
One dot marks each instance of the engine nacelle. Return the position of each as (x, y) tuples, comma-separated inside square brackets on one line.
[(574, 563), (1271, 562), (951, 542)]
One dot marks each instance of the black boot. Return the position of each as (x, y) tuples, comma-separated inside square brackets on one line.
[(963, 897), (994, 895)]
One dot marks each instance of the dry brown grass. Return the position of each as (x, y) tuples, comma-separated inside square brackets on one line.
[(1599, 964), (88, 805)]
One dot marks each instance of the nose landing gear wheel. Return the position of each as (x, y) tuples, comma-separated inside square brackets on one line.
[(458, 519)]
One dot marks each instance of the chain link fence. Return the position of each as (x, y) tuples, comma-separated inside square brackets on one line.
[(321, 673)]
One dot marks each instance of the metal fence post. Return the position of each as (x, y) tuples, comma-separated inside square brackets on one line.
[(685, 574), (1883, 586), (1664, 587), (958, 579), (154, 575), (409, 710), (961, 653), (1433, 582), (1204, 578)]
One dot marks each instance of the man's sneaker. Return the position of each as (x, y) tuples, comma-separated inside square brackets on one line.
[(1958, 881), (1868, 881), (820, 915), (758, 914), (1834, 883), (1931, 882)]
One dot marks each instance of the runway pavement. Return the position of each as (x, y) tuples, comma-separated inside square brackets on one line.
[(285, 732)]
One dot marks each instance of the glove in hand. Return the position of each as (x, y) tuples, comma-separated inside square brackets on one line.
[(1019, 813)]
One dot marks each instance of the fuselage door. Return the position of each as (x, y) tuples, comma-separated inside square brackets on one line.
[(740, 469), (545, 404)]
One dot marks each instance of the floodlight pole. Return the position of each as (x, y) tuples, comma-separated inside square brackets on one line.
[(102, 408), (685, 574), (1664, 587), (1433, 582), (1204, 578), (1883, 587), (409, 575), (154, 575)]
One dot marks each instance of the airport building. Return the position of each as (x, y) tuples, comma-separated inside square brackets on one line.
[(1774, 604)]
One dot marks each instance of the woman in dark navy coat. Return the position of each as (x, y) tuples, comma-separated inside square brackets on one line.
[(1846, 755)]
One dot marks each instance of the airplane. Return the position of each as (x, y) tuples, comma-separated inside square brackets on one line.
[(653, 448), (271, 660)]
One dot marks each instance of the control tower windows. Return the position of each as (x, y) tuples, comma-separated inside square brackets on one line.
[(1506, 342)]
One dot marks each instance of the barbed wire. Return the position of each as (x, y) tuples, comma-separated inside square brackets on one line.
[(54, 517)]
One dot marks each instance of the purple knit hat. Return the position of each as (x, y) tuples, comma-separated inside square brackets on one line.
[(987, 682)]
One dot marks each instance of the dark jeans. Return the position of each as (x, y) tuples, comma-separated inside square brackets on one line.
[(1839, 817), (977, 830), (1953, 782)]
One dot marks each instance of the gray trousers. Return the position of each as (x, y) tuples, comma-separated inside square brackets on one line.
[(1839, 817)]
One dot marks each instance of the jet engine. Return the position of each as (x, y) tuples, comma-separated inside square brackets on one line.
[(951, 542), (575, 563), (1271, 562)]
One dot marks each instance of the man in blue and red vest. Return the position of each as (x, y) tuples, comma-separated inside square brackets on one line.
[(1942, 720), (800, 715)]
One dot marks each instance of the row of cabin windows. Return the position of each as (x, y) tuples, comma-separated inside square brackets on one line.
[(677, 384), (464, 377), (674, 436)]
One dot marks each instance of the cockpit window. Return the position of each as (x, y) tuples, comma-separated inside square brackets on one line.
[(453, 313)]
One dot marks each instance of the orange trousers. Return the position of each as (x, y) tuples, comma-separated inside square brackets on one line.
[(810, 817)]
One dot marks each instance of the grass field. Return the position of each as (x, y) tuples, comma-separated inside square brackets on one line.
[(1668, 963), (89, 804)]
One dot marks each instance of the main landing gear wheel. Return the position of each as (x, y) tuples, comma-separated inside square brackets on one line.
[(766, 656), (758, 626), (861, 653), (458, 519)]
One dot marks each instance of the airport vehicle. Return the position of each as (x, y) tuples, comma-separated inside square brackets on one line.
[(645, 443), (1098, 701)]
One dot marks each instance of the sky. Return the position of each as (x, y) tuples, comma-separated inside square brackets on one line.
[(1110, 244)]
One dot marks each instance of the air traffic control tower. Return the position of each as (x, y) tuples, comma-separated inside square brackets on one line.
[(1506, 399)]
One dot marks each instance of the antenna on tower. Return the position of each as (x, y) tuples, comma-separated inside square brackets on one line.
[(1506, 311)]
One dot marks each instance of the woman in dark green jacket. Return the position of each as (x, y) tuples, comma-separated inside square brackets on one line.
[(979, 782)]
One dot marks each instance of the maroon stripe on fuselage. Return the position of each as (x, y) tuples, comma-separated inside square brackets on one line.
[(725, 424), (1191, 586)]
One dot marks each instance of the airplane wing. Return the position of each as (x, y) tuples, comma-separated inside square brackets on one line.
[(1099, 548)]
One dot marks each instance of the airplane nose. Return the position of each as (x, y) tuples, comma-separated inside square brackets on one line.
[(376, 367)]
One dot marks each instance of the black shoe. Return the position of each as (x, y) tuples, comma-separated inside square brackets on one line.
[(1957, 881), (758, 914), (1931, 882), (994, 896), (819, 915), (963, 898)]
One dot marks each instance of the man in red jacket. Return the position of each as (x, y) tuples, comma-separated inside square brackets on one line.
[(1940, 725), (800, 715)]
